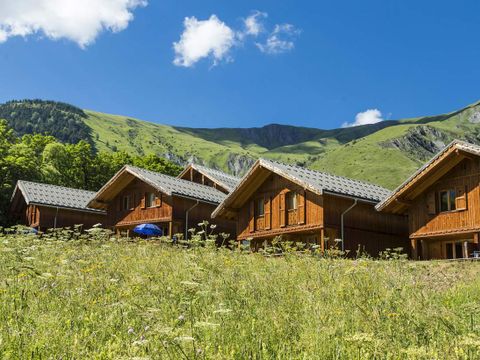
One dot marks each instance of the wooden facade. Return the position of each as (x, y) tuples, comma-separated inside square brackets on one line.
[(442, 202), (270, 205), (130, 200), (43, 216)]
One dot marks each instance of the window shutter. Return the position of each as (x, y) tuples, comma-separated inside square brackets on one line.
[(461, 199), (301, 207), (282, 207), (268, 213), (158, 200), (144, 201), (431, 203), (251, 221)]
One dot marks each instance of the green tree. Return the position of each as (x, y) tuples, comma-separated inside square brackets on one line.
[(157, 164)]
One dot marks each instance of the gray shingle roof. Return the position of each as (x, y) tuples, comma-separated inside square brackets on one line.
[(56, 196), (171, 185), (315, 181), (320, 182), (229, 182), (458, 144)]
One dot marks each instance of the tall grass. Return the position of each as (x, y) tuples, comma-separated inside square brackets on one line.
[(96, 298)]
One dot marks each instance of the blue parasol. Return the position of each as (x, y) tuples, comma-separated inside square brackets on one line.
[(148, 229)]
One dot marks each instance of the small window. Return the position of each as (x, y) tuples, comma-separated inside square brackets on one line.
[(126, 202), (260, 207), (134, 201), (447, 200), (150, 200), (291, 200)]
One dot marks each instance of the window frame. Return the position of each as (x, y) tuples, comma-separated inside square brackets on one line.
[(260, 202), (150, 200), (133, 201), (126, 202), (451, 200), (291, 195)]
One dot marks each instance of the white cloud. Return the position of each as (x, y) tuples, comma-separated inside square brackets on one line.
[(201, 39), (253, 24), (77, 20), (212, 38), (280, 40), (371, 116)]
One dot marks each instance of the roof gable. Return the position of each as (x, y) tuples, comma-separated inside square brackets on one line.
[(447, 159), (227, 181), (315, 181), (166, 184)]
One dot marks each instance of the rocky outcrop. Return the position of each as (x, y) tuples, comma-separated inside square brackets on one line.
[(421, 142), (239, 164), (475, 117)]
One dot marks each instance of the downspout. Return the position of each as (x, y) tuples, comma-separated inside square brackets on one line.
[(186, 218), (55, 219), (342, 222)]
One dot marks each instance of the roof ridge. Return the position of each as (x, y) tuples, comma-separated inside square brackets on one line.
[(325, 173), (183, 181), (214, 170), (53, 185)]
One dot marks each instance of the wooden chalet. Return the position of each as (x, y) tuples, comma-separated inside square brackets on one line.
[(275, 199), (44, 206), (442, 201), (137, 196), (210, 177)]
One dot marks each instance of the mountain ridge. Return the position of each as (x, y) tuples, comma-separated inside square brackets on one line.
[(384, 153)]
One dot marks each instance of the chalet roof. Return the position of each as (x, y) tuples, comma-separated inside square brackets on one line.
[(315, 181), (169, 185), (229, 182), (455, 145), (55, 196)]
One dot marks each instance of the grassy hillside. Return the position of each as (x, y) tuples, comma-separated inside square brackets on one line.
[(384, 153), (118, 299)]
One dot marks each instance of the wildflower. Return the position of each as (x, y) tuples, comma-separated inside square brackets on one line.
[(213, 226), (222, 311), (360, 338), (206, 324), (471, 340), (181, 318), (147, 328), (130, 330), (184, 338), (190, 283)]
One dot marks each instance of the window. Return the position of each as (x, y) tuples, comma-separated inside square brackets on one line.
[(126, 202), (134, 201), (260, 207), (447, 200), (150, 200), (291, 200)]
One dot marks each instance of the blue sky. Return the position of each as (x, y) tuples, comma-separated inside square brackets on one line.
[(339, 58)]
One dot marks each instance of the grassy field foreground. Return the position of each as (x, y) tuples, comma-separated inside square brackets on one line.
[(119, 299)]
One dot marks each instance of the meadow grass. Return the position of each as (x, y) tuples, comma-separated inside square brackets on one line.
[(98, 298)]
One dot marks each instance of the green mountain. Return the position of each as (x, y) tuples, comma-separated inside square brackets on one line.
[(384, 153)]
